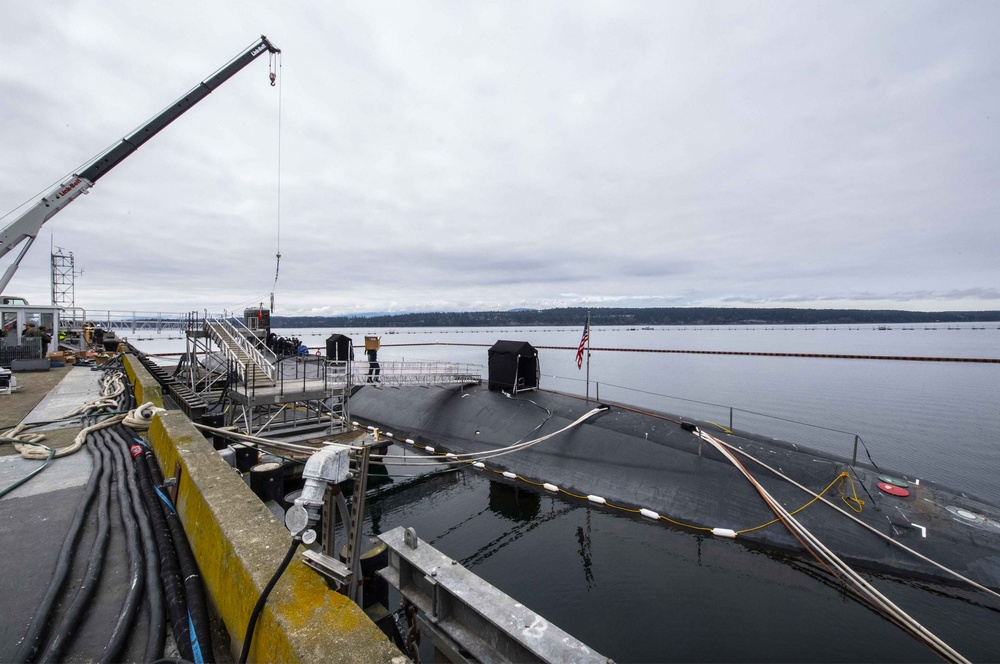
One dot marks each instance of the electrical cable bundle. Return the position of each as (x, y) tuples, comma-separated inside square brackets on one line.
[(159, 558)]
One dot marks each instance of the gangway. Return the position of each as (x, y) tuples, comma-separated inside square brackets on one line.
[(254, 362), (294, 397)]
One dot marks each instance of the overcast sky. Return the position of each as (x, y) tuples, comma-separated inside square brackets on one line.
[(472, 155)]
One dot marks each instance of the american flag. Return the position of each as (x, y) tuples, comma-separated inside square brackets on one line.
[(583, 344)]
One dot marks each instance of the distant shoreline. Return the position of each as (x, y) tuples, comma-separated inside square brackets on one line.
[(641, 317)]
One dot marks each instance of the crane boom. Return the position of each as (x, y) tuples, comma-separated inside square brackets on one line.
[(26, 226)]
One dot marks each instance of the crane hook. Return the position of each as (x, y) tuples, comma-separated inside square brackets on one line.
[(273, 74)]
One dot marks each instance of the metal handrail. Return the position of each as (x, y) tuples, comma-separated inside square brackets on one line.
[(254, 354), (266, 353), (726, 408), (415, 373)]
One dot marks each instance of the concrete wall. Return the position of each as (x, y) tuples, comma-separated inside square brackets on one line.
[(143, 384), (238, 545)]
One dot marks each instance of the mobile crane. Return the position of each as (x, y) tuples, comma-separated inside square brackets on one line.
[(26, 226)]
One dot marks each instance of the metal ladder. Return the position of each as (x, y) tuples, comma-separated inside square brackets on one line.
[(358, 466)]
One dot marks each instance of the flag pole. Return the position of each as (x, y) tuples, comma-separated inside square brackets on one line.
[(588, 355)]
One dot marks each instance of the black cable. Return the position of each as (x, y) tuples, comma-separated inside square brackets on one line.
[(157, 625), (194, 592), (865, 489), (173, 588), (248, 637), (85, 592), (874, 465), (136, 568), (156, 628), (64, 562)]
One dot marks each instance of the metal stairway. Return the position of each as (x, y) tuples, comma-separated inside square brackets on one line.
[(255, 364)]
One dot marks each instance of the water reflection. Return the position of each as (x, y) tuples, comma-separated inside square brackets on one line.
[(514, 503), (583, 538), (613, 580)]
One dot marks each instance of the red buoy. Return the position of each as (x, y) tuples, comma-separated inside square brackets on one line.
[(893, 490)]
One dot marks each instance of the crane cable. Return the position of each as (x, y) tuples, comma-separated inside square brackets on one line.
[(838, 567), (277, 256)]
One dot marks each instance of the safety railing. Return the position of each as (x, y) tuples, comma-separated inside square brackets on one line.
[(727, 417), (310, 374), (398, 374), (138, 321), (234, 342)]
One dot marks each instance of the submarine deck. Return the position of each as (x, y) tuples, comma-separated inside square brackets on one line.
[(640, 460)]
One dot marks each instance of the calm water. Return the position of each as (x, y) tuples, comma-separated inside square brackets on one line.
[(640, 591)]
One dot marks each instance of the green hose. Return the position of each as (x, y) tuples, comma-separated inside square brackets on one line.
[(52, 453)]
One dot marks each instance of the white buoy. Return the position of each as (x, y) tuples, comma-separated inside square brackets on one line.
[(650, 514), (429, 449), (550, 487), (479, 464), (410, 441), (596, 499), (451, 455), (510, 475), (724, 532)]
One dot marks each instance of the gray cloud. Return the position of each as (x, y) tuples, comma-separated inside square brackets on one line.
[(442, 156)]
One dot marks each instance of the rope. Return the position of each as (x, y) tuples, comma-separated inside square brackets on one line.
[(840, 478), (861, 523), (27, 444), (142, 416), (838, 567)]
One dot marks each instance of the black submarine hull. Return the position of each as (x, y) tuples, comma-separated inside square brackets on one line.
[(654, 462)]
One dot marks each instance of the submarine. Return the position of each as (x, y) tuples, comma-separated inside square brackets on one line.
[(691, 474)]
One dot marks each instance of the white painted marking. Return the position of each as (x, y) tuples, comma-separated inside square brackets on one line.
[(536, 629)]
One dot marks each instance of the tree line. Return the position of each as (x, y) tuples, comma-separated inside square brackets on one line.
[(569, 316)]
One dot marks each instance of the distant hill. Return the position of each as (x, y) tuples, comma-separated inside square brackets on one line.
[(633, 316)]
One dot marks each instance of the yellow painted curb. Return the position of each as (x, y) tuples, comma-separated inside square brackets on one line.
[(238, 545), (143, 384)]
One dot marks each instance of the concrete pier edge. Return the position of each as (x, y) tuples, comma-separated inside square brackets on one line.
[(238, 545)]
